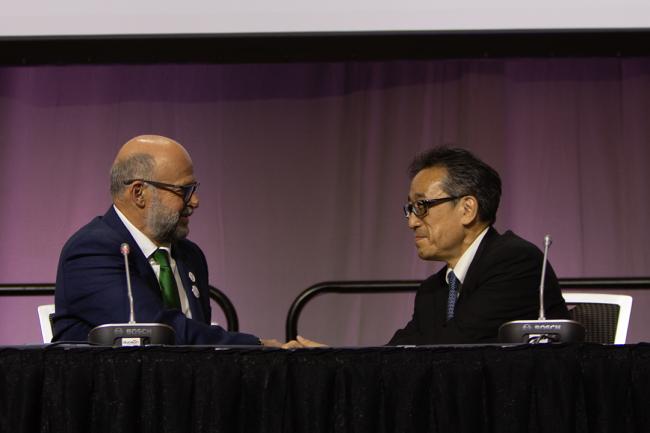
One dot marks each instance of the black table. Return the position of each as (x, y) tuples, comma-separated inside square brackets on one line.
[(559, 388)]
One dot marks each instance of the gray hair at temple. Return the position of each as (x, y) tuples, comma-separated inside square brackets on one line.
[(466, 175), (136, 166)]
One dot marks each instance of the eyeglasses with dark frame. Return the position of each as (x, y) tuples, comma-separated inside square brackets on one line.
[(421, 207), (184, 191)]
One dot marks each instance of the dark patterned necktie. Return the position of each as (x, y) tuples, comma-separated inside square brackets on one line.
[(453, 294), (167, 280)]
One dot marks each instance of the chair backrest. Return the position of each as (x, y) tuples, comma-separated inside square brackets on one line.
[(45, 313), (227, 307), (604, 316)]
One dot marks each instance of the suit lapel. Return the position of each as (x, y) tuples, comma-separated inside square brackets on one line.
[(137, 261), (184, 270), (474, 271), (440, 296)]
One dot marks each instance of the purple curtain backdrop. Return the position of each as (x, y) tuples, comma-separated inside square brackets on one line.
[(303, 170)]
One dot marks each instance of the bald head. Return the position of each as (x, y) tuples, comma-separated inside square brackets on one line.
[(146, 157), (161, 148)]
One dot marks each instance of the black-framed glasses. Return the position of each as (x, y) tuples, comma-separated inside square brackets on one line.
[(421, 207), (185, 191)]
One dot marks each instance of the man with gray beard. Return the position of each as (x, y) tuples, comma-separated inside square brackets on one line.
[(154, 195)]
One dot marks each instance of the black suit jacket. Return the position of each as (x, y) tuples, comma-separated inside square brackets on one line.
[(91, 287), (501, 284)]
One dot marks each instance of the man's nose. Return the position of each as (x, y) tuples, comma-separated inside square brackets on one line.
[(194, 200), (413, 221)]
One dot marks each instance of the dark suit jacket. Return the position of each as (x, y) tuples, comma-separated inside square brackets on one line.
[(91, 287), (501, 284)]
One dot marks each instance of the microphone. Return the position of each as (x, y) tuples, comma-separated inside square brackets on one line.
[(542, 330), (132, 333), (547, 243), (125, 250)]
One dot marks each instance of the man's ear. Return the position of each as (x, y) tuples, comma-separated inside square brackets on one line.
[(137, 194), (469, 209)]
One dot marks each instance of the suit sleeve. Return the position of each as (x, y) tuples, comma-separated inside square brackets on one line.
[(189, 331), (413, 333)]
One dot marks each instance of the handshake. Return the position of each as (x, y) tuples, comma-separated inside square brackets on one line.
[(298, 343)]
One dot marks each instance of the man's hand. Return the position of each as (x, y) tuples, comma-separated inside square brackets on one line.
[(271, 342), (302, 343), (298, 343), (309, 343)]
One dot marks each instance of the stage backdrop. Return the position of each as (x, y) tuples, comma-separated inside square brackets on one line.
[(303, 170)]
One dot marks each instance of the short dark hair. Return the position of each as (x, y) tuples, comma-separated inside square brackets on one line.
[(466, 175)]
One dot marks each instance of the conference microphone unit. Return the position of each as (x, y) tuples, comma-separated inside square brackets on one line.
[(132, 333), (542, 330)]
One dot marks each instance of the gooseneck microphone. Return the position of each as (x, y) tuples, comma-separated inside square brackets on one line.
[(131, 333), (125, 250), (547, 243), (542, 330)]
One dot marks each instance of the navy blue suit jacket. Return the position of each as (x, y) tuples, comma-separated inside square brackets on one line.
[(91, 287), (501, 284)]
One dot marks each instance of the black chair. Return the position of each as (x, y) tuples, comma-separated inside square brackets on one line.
[(232, 320), (604, 316)]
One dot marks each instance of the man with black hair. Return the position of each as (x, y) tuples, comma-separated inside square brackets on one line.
[(489, 278)]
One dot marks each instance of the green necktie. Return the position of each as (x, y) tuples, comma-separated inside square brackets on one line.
[(167, 280)]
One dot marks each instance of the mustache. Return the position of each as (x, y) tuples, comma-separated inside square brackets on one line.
[(187, 211)]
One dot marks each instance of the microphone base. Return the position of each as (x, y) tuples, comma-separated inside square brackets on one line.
[(541, 331), (132, 334)]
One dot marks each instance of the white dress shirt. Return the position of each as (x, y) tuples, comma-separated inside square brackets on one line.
[(148, 247), (460, 270)]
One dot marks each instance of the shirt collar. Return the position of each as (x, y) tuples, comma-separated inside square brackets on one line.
[(460, 270), (146, 245)]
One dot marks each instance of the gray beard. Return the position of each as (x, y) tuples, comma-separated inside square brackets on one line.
[(163, 222)]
